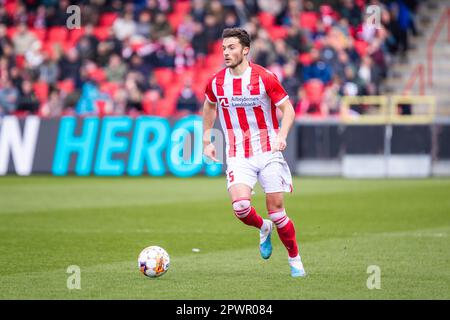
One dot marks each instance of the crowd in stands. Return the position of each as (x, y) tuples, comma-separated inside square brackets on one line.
[(155, 56)]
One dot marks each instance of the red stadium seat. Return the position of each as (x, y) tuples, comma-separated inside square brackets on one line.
[(10, 7), (67, 86), (57, 34), (308, 20), (101, 33), (164, 76), (277, 32), (98, 75), (10, 32), (109, 88), (41, 90), (361, 47), (314, 90), (107, 19), (175, 19), (182, 7), (305, 58), (266, 19), (75, 35)]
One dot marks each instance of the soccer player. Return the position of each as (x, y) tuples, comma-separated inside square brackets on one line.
[(245, 96)]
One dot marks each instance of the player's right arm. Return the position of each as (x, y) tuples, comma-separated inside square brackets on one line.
[(209, 116)]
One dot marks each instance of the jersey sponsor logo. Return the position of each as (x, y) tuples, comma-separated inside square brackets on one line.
[(224, 102)]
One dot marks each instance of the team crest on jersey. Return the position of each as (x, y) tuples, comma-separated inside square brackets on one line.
[(250, 87), (224, 102)]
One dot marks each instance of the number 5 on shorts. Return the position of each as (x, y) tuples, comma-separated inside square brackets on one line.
[(230, 176)]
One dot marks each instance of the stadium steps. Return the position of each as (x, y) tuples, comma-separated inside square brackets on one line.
[(401, 71)]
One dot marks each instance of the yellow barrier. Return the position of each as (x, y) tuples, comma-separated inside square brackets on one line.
[(412, 118), (380, 118), (387, 109)]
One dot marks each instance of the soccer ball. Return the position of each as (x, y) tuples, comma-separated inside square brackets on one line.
[(153, 261)]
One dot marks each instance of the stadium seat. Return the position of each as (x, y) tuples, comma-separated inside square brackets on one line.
[(277, 32), (57, 34), (266, 19), (101, 33), (175, 19), (110, 88), (67, 86), (10, 7), (10, 32), (182, 7), (314, 90), (164, 76), (75, 35), (98, 75), (311, 102), (41, 90), (361, 47), (308, 20), (107, 19), (20, 61)]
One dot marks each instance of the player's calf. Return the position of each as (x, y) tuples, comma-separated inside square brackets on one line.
[(286, 232)]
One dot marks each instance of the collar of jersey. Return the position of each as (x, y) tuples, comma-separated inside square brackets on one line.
[(243, 74)]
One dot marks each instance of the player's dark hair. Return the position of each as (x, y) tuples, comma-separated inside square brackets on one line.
[(241, 34)]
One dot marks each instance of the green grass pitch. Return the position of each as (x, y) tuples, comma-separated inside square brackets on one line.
[(101, 225)]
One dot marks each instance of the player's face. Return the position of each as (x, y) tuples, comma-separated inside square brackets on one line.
[(233, 52)]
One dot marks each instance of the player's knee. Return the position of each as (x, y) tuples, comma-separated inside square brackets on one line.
[(279, 217), (241, 207), (275, 205)]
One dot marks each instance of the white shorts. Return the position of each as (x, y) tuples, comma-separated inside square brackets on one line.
[(270, 169)]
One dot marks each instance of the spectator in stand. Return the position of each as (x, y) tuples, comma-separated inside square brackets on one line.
[(27, 100), (317, 69), (23, 39), (87, 44), (351, 12), (4, 40), (161, 28), (134, 93), (187, 101), (154, 88), (186, 29), (143, 26), (54, 106), (200, 41), (5, 19), (198, 10), (8, 97), (369, 76), (124, 27), (57, 16), (70, 66), (116, 69), (291, 82)]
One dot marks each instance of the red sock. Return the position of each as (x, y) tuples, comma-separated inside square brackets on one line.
[(287, 236), (247, 214), (286, 231)]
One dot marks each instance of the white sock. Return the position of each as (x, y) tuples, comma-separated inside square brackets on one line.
[(265, 226), (296, 259)]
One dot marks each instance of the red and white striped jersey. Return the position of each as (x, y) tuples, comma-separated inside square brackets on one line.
[(247, 108)]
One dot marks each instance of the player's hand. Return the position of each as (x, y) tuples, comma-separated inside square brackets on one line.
[(280, 144), (210, 151)]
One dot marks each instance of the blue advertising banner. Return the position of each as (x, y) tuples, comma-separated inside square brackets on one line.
[(109, 146)]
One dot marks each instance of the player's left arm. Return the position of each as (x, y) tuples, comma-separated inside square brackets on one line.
[(286, 124)]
